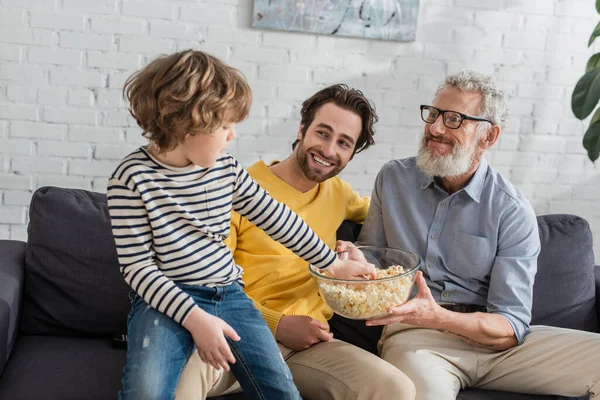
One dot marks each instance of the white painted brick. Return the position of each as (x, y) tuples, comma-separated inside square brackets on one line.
[(113, 60), (241, 36), (116, 80), (134, 136), (32, 4), (43, 37), (99, 185), (144, 44), (545, 126), (15, 34), (547, 144), (494, 4), (284, 73), (54, 56), (566, 162), (566, 43), (90, 6), (567, 8), (94, 134), (392, 48), (110, 98), (126, 26), (25, 112), (274, 144), (92, 168), (18, 182), (331, 76), (533, 40), (85, 41), (17, 146), (21, 93), (54, 96), (64, 181), (367, 64), (293, 92), (498, 20), (22, 73), (70, 115), (530, 7), (63, 149), (207, 14), (5, 232), (26, 165), (571, 127), (473, 36), (17, 198), (10, 52), (37, 130), (508, 142), (244, 53), (113, 152), (12, 215), (19, 232), (80, 97), (452, 52), (432, 32), (118, 118), (547, 23), (251, 126), (575, 146), (553, 191), (516, 159), (443, 14), (564, 77), (432, 69), (286, 40), (278, 110), (550, 109), (540, 91), (12, 16), (148, 9), (171, 30), (76, 77), (497, 55), (520, 74), (58, 21)]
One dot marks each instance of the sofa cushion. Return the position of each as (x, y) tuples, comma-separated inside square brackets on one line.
[(66, 368), (564, 288), (72, 279)]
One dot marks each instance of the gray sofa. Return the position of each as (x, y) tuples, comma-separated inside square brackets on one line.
[(62, 298)]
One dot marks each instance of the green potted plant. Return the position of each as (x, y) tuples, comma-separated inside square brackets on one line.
[(586, 96)]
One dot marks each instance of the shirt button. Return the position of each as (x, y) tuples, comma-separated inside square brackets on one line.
[(445, 294), (433, 236), (443, 204), (429, 265)]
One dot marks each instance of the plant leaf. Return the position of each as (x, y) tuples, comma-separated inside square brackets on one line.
[(598, 6), (595, 34), (586, 94), (593, 62), (591, 139)]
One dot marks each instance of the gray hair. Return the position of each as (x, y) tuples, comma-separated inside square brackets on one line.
[(493, 105)]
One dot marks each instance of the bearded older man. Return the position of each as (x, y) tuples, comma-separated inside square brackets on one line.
[(468, 325)]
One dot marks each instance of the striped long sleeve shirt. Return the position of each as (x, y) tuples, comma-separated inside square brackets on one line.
[(169, 225)]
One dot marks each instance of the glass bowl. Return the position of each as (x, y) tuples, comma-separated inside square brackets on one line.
[(365, 299)]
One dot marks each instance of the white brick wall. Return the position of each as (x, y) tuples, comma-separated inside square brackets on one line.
[(63, 63)]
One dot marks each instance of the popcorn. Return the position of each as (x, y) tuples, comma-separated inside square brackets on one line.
[(367, 299)]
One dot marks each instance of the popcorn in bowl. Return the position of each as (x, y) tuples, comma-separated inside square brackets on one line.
[(365, 299)]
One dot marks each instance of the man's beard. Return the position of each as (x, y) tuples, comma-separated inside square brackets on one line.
[(458, 162), (302, 156)]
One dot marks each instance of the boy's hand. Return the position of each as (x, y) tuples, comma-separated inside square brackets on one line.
[(209, 333), (350, 269), (349, 251)]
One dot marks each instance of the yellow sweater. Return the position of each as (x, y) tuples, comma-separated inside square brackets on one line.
[(276, 279)]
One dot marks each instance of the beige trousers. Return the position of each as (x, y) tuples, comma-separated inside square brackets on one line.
[(327, 370), (549, 361)]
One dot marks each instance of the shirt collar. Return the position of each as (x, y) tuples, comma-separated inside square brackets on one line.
[(473, 188)]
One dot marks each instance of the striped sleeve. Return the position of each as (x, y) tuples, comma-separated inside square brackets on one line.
[(278, 221), (133, 238)]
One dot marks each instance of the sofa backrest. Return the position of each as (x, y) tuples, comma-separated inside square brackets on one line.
[(564, 289), (72, 281)]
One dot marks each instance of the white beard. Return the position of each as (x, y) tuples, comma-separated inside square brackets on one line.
[(458, 162)]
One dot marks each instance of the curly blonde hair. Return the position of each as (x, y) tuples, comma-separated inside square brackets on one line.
[(185, 93)]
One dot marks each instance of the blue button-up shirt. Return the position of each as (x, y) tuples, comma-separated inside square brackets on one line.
[(477, 246)]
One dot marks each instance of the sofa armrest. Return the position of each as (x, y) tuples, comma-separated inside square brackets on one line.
[(597, 277), (12, 268)]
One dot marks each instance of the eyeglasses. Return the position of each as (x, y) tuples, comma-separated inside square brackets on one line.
[(452, 119)]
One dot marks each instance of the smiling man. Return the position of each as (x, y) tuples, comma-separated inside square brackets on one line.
[(477, 237), (336, 123)]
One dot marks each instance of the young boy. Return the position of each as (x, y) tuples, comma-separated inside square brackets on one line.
[(170, 205)]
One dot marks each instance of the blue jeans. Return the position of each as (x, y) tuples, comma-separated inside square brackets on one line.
[(158, 348)]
